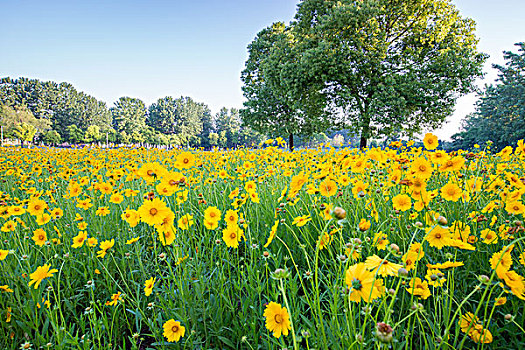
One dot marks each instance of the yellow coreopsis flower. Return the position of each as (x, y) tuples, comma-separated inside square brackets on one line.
[(40, 237), (148, 286), (185, 222), (277, 319), (361, 283), (78, 240), (301, 220), (173, 330), (41, 273), (104, 247)]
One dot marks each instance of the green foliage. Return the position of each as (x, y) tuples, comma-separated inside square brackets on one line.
[(20, 123), (129, 115), (25, 132), (500, 112), (74, 134), (92, 134), (372, 66), (51, 137), (60, 103), (269, 108), (182, 117)]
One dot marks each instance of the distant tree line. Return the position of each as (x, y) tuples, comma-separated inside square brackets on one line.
[(33, 110), (500, 112)]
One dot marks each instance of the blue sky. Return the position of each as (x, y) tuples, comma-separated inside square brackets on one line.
[(152, 49)]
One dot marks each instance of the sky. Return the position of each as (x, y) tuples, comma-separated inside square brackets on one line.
[(152, 49)]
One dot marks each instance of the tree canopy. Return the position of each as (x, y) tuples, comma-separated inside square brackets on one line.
[(500, 111), (372, 66)]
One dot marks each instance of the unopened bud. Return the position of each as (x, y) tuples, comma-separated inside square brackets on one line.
[(339, 213), (384, 332), (442, 220)]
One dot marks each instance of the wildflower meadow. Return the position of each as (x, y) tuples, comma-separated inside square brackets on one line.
[(330, 248)]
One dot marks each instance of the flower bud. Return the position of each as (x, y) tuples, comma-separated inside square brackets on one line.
[(280, 274), (384, 332), (442, 220), (402, 272), (484, 279), (339, 213)]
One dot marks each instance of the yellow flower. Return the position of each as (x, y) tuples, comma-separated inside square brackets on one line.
[(185, 160), (182, 196), (92, 241), (515, 282), (148, 286), (277, 319), (9, 226), (116, 198), (273, 231), (36, 207), (438, 237), (500, 301), (324, 240), (102, 211), (231, 235), (40, 237), (173, 330), (430, 141), (132, 217), (78, 240), (446, 265), (467, 322), (501, 261), (152, 212), (132, 240), (481, 335), (104, 247), (421, 168), (115, 298), (401, 202), (211, 225), (43, 219), (419, 288), (301, 220), (167, 237), (185, 222), (40, 274), (435, 278), (212, 214), (250, 187), (361, 283), (381, 266), (231, 217), (3, 254), (5, 288), (328, 188), (515, 208), (451, 192), (364, 225), (489, 236)]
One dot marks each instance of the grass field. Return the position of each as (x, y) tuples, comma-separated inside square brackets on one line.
[(404, 247)]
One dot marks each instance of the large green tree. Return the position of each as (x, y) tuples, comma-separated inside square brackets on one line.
[(377, 66), (500, 111), (182, 117), (19, 122), (60, 103), (129, 115), (268, 108)]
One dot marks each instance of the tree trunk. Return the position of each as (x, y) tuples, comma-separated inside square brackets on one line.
[(365, 132), (362, 143), (290, 142)]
